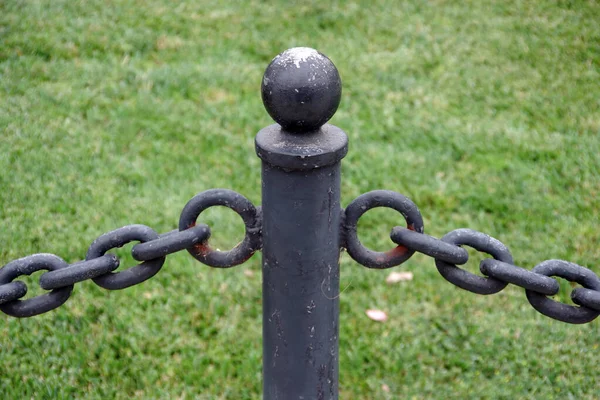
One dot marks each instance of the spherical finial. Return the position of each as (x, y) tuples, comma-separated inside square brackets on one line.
[(301, 89)]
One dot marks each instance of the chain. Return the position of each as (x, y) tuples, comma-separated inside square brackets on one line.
[(448, 253), (498, 271), (151, 251)]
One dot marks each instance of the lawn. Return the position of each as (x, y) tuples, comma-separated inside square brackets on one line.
[(485, 113)]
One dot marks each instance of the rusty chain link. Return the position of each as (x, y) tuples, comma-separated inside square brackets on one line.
[(99, 265), (243, 207), (373, 199)]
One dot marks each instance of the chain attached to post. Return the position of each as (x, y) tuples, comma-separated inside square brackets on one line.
[(99, 265), (447, 252), (498, 271)]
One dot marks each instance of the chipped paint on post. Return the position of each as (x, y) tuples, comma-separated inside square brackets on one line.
[(301, 219), (297, 55)]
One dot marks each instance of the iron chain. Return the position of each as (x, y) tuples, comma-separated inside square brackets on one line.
[(99, 265), (500, 270), (448, 254), (152, 250)]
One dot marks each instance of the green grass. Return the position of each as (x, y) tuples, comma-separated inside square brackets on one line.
[(485, 113)]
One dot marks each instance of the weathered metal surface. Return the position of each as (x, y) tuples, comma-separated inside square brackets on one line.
[(79, 272), (170, 243), (301, 248), (301, 89), (519, 276), (299, 152), (586, 297), (243, 207), (12, 291), (301, 230)]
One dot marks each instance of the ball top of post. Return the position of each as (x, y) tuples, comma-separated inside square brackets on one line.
[(301, 89)]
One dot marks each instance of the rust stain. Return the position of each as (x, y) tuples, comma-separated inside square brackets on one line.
[(394, 253), (249, 255), (202, 249)]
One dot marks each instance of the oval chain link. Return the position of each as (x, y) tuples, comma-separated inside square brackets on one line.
[(12, 291), (465, 279), (519, 276), (39, 304), (560, 311), (500, 271), (170, 243), (118, 238), (586, 298), (429, 246), (79, 272)]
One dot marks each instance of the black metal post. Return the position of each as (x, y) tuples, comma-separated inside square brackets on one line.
[(301, 158)]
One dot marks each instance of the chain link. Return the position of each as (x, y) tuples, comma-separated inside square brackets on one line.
[(362, 204), (39, 304), (118, 238), (12, 291), (564, 312), (519, 276), (243, 207), (170, 243), (448, 253), (500, 271), (99, 265)]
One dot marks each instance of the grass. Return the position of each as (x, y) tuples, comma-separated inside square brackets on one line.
[(485, 113)]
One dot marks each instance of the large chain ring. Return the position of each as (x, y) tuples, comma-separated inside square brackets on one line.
[(238, 203), (367, 201)]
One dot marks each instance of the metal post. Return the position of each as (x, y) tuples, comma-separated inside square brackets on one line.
[(301, 159)]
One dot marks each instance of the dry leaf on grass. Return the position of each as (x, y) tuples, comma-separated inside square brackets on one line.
[(395, 277), (376, 315)]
